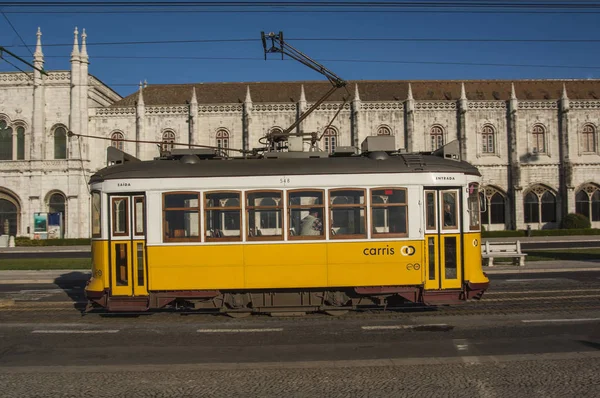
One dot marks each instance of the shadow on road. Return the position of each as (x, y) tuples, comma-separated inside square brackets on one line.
[(73, 284)]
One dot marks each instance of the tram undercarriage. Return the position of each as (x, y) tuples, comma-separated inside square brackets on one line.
[(284, 301)]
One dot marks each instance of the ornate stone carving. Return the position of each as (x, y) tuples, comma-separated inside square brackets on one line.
[(273, 107), (487, 105), (382, 105), (221, 108), (115, 111), (585, 104), (538, 104), (435, 106), (167, 110)]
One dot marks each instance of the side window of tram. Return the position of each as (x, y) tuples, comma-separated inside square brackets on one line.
[(389, 212), (306, 209), (449, 217), (347, 213), (222, 215), (96, 214), (119, 216), (474, 209), (181, 216), (431, 207), (264, 214)]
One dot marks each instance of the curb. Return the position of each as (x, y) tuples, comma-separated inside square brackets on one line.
[(538, 271)]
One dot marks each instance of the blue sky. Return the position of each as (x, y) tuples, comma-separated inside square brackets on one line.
[(123, 73)]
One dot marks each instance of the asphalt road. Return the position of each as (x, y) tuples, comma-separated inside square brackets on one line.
[(531, 335)]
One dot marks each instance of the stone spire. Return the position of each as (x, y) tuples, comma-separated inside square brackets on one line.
[(38, 55), (140, 101), (463, 94), (513, 103), (84, 54), (248, 98), (194, 99), (302, 94), (75, 52), (564, 100), (410, 101), (356, 95), (462, 102)]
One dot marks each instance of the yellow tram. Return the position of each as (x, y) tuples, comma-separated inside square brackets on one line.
[(285, 232)]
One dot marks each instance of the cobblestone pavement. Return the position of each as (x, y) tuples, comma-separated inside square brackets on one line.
[(555, 377)]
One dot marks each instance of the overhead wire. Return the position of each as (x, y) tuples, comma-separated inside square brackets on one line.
[(17, 32)]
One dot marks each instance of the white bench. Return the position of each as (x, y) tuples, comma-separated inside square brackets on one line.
[(491, 250)]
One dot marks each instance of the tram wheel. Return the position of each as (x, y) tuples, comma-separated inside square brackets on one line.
[(238, 314), (336, 312)]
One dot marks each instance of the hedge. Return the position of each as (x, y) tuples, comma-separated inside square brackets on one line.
[(26, 241)]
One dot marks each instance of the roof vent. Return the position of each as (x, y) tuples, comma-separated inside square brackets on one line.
[(378, 155), (449, 151), (189, 159)]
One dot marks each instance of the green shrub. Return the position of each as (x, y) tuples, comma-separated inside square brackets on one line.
[(26, 241), (575, 221)]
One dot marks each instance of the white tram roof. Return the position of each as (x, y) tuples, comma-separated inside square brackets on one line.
[(240, 167)]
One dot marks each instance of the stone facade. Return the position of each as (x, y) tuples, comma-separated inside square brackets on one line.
[(534, 141)]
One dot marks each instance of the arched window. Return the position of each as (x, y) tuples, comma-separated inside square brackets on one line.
[(495, 211), (168, 138), (223, 140), (60, 143), (588, 138), (587, 202), (6, 147), (538, 139), (540, 205), (436, 137), (116, 140), (9, 214), (57, 204), (330, 137), (487, 139), (384, 130)]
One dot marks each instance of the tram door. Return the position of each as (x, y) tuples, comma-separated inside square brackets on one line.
[(442, 238), (128, 246)]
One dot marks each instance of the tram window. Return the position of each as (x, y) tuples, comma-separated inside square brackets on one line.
[(264, 215), (347, 213), (96, 215), (120, 216), (449, 201), (474, 208), (139, 216), (222, 215), (181, 216), (431, 206), (389, 212), (306, 209)]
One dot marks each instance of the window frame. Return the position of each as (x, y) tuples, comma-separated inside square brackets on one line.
[(268, 208), (536, 134), (114, 216), (66, 141), (585, 138), (291, 207), (488, 131), (433, 132), (99, 233), (118, 143), (206, 208), (142, 199), (373, 206), (164, 216), (332, 207)]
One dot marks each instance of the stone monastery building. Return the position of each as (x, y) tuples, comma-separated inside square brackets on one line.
[(534, 141)]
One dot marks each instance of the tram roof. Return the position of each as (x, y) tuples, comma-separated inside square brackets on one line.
[(283, 166)]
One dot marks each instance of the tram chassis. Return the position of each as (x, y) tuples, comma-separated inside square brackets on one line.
[(285, 300)]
